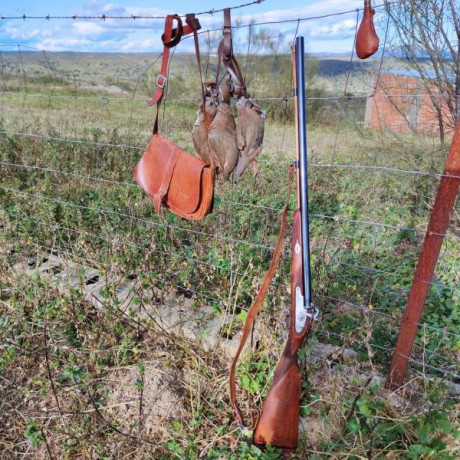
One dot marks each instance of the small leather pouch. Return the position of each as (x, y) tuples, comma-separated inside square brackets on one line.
[(176, 179), (367, 40)]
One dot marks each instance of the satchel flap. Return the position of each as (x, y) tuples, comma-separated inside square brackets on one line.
[(186, 185), (170, 175)]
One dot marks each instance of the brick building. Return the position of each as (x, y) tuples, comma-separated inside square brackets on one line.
[(405, 104)]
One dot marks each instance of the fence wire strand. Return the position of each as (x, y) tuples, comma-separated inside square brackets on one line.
[(213, 11)]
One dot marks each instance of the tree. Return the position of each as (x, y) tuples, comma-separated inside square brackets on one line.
[(428, 31), (456, 19)]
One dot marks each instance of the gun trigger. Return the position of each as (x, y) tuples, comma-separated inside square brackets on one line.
[(314, 314)]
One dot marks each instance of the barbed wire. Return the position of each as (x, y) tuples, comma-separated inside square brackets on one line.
[(345, 339), (335, 218), (386, 169), (105, 17)]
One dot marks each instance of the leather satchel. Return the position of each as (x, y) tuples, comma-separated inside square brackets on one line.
[(171, 176), (176, 179), (367, 40)]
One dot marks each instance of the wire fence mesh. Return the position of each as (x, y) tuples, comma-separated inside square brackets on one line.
[(73, 127)]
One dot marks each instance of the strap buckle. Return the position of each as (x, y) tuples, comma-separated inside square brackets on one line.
[(161, 81)]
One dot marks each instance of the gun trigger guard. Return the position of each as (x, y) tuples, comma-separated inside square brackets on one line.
[(314, 314)]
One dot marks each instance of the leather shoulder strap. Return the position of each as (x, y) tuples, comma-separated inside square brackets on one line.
[(227, 58), (195, 26), (170, 38), (257, 304)]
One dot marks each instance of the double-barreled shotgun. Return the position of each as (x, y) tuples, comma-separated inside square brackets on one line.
[(278, 422)]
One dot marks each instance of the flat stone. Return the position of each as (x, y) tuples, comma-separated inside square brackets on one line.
[(210, 334), (125, 293), (230, 347), (41, 264), (78, 275)]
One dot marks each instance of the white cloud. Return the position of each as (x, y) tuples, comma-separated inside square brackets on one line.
[(23, 33), (88, 28), (63, 44), (342, 29), (135, 45)]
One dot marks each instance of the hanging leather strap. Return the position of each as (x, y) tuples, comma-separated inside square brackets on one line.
[(193, 23), (170, 38), (227, 58), (257, 304)]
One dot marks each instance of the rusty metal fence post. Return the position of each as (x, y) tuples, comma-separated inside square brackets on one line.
[(437, 227)]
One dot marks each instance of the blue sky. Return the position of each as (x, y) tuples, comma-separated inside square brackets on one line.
[(331, 34)]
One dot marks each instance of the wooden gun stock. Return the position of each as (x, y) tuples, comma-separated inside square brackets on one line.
[(279, 419), (278, 422)]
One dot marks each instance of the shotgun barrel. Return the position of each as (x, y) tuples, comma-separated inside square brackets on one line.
[(279, 419), (302, 170)]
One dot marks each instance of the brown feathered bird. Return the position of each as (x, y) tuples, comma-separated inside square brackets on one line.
[(222, 134), (199, 131), (250, 134)]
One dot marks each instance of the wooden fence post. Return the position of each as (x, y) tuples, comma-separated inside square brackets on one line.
[(437, 227)]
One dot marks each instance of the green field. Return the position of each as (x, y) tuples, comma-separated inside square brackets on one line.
[(81, 379)]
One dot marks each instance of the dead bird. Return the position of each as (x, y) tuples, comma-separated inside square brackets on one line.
[(222, 133), (199, 131), (250, 134)]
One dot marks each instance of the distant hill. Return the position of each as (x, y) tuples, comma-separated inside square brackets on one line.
[(334, 67)]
